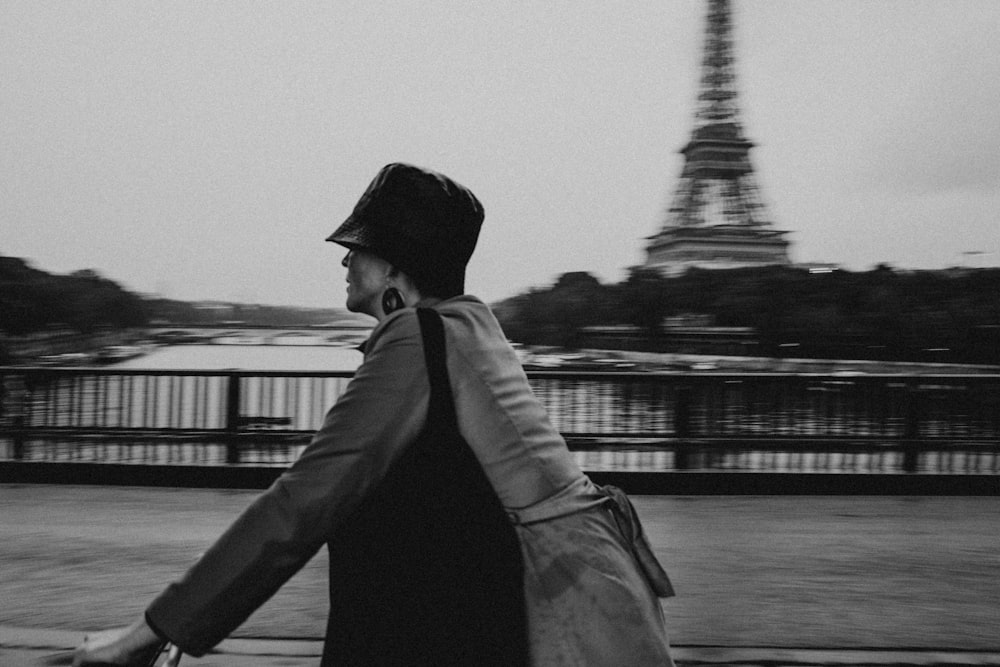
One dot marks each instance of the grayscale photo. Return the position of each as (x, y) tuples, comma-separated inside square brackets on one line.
[(541, 333)]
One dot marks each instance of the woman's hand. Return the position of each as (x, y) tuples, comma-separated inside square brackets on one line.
[(135, 645)]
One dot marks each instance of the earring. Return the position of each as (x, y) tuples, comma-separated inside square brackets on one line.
[(392, 300)]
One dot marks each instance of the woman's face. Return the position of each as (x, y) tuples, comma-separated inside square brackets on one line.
[(366, 280)]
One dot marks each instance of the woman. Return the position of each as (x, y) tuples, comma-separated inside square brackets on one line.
[(460, 529)]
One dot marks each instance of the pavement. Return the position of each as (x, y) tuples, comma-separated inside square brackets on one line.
[(33, 646), (761, 580)]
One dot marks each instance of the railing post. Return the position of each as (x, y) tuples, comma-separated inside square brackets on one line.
[(233, 418), (15, 400), (911, 428), (682, 426), (19, 437)]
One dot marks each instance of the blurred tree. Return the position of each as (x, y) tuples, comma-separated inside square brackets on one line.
[(33, 300), (882, 313)]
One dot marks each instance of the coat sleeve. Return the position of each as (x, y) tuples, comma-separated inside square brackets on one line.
[(382, 410)]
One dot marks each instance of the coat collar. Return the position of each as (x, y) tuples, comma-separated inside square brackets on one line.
[(426, 302)]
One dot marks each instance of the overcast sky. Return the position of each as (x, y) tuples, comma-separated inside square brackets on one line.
[(204, 150)]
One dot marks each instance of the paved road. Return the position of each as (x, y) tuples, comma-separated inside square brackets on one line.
[(799, 572)]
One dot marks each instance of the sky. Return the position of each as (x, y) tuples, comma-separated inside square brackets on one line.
[(204, 150)]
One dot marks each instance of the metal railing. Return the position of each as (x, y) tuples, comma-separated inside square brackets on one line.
[(773, 406), (749, 421)]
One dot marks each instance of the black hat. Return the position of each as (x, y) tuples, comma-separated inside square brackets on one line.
[(421, 222)]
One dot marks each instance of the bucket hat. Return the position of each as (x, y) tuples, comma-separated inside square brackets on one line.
[(421, 222)]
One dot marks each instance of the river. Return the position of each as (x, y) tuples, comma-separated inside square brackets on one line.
[(248, 357)]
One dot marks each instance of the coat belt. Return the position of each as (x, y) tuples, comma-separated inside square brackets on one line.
[(578, 496)]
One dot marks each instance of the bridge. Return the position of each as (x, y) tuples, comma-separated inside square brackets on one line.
[(338, 334)]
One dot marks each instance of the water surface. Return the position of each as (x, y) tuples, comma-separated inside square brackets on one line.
[(249, 357)]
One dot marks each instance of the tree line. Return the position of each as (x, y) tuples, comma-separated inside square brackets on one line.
[(949, 315), (33, 300)]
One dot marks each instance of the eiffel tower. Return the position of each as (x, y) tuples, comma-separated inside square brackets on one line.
[(716, 218)]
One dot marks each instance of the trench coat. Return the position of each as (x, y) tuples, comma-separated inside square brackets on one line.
[(587, 601)]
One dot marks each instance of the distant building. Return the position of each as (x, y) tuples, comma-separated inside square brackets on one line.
[(685, 334), (818, 267)]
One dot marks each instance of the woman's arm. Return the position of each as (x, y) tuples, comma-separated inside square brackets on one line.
[(382, 410)]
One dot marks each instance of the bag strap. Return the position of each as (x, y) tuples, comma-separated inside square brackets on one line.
[(441, 410)]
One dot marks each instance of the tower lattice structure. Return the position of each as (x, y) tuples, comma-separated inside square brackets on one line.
[(717, 218)]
